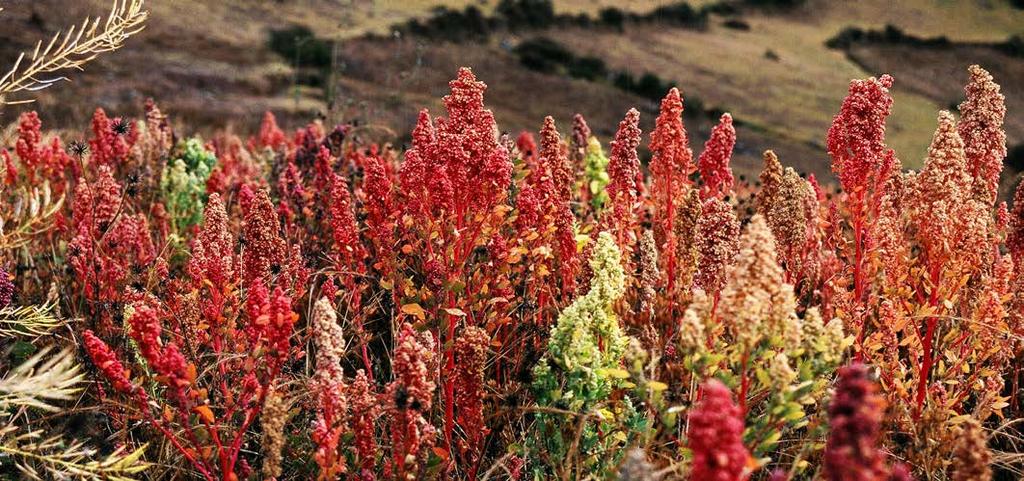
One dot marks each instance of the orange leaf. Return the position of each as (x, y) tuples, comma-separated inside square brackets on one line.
[(414, 309), (205, 413)]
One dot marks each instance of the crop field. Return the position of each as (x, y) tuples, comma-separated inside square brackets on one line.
[(330, 298)]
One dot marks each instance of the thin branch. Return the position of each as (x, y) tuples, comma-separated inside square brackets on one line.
[(72, 49)]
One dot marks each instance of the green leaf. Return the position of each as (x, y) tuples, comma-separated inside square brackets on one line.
[(21, 350)]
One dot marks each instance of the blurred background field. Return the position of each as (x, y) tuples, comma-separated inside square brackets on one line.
[(780, 67)]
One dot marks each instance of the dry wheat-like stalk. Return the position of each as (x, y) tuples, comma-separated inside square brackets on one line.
[(72, 49), (55, 457), (36, 384), (41, 379), (31, 213), (29, 321)]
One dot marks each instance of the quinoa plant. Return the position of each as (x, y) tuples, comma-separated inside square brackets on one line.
[(183, 183), (577, 375), (307, 305)]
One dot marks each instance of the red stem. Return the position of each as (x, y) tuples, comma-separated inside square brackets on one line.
[(858, 274), (744, 382), (250, 416), (357, 311), (461, 251), (670, 235), (199, 465), (926, 363)]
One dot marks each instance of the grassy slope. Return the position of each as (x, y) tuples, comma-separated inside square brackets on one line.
[(794, 97), (963, 21), (207, 64)]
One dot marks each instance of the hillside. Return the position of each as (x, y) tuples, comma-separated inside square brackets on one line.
[(207, 61)]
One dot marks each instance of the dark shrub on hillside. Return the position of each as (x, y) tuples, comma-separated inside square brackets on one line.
[(588, 68), (453, 25), (475, 21), (526, 13), (471, 24), (679, 14), (298, 44), (547, 56), (736, 24), (891, 35), (845, 38), (694, 106), (543, 55), (722, 8), (311, 78), (612, 17), (776, 3), (624, 81), (579, 20), (650, 86), (1013, 46)]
